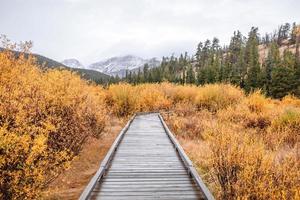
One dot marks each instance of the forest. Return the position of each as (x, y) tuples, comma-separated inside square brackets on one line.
[(270, 63)]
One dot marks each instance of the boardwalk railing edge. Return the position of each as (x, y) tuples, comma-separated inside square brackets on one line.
[(187, 162), (103, 166)]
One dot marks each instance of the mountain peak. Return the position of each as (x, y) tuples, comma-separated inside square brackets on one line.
[(72, 62), (119, 64)]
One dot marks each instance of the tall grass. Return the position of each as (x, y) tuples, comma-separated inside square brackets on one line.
[(217, 96), (251, 142), (45, 117)]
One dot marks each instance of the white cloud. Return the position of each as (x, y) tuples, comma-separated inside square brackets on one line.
[(95, 29)]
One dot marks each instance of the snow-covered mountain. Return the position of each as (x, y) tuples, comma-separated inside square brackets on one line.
[(72, 62), (118, 65)]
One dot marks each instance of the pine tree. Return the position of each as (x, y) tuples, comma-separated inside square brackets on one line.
[(235, 67), (252, 61), (139, 77), (272, 61), (297, 64), (146, 72), (282, 81), (293, 34), (183, 80), (198, 54), (283, 33), (190, 75)]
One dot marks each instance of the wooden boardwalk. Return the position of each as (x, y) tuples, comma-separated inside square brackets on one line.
[(146, 162)]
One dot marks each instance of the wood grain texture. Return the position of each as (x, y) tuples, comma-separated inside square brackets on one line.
[(146, 165)]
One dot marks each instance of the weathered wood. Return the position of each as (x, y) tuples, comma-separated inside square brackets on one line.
[(146, 162), (187, 162), (104, 164)]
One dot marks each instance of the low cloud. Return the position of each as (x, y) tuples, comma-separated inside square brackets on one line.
[(93, 30)]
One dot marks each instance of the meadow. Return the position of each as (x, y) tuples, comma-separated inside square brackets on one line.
[(245, 146)]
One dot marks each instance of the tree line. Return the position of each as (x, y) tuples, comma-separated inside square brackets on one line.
[(240, 63)]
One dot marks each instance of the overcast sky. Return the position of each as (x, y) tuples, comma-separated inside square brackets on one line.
[(91, 30)]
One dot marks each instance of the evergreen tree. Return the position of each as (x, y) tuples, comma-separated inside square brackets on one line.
[(202, 76), (272, 61), (146, 72), (235, 68), (282, 81), (252, 61), (283, 33), (190, 75), (183, 80), (293, 34), (297, 62), (139, 77), (199, 53)]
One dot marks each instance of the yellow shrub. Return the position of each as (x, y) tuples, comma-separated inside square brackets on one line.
[(241, 114), (218, 96), (251, 146), (185, 93), (244, 169), (184, 109), (123, 99), (290, 100), (168, 89), (257, 102), (191, 126), (45, 117), (151, 98), (286, 127)]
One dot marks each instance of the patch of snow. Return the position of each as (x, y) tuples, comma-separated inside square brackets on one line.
[(73, 63)]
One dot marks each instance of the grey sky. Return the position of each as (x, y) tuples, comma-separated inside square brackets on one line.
[(90, 30)]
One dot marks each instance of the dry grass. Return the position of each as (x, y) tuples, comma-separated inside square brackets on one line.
[(45, 118), (217, 96), (248, 149)]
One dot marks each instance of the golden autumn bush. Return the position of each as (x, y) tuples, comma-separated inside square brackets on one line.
[(291, 100), (125, 99), (45, 117), (286, 127), (245, 169), (151, 98), (122, 99), (249, 147), (185, 93), (217, 96)]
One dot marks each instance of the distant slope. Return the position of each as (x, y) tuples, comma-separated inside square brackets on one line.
[(87, 74)]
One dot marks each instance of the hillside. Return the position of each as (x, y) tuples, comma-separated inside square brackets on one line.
[(87, 74), (263, 50)]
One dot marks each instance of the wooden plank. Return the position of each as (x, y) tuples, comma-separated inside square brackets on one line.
[(174, 197), (146, 164), (148, 193), (87, 191), (147, 184), (188, 162)]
